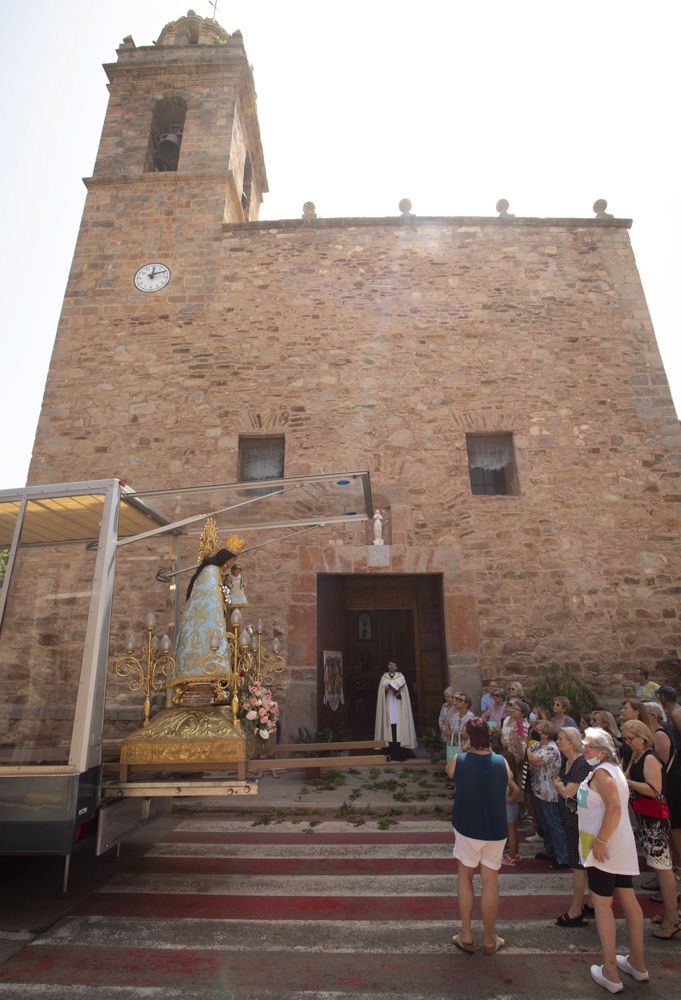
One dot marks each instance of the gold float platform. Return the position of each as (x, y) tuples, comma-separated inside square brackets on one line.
[(188, 739)]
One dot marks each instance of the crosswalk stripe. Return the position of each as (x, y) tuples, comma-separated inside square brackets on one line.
[(324, 885), (310, 848)]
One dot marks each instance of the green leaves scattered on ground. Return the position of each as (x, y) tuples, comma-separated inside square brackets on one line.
[(386, 822), (264, 819), (327, 781)]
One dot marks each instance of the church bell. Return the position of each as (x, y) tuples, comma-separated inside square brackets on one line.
[(169, 149)]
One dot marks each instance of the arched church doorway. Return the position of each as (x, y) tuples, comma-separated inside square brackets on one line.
[(370, 620)]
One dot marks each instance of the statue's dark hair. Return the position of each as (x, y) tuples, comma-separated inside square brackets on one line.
[(219, 559)]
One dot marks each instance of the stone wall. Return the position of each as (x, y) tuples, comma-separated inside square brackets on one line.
[(380, 344)]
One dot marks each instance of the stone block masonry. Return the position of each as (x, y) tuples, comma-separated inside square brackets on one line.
[(376, 345)]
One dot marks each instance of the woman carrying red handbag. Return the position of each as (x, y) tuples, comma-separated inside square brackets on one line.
[(644, 777)]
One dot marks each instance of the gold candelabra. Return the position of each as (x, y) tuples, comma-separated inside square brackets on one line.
[(151, 669), (246, 660)]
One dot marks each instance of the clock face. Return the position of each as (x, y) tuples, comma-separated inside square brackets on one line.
[(152, 278)]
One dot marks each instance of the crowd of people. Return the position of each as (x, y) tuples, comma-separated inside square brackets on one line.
[(594, 796)]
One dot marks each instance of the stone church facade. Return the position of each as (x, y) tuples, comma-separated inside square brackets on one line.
[(498, 377)]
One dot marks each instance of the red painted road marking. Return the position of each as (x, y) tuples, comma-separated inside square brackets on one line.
[(189, 865), (199, 905)]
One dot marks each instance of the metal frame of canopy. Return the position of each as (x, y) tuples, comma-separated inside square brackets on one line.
[(106, 514)]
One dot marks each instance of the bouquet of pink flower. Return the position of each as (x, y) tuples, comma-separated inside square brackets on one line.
[(258, 711)]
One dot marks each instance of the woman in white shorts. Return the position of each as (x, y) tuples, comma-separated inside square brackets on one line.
[(479, 821)]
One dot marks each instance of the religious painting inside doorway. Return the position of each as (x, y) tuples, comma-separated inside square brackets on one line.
[(333, 679), (373, 619)]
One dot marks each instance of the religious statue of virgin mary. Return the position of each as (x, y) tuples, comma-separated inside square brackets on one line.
[(204, 613)]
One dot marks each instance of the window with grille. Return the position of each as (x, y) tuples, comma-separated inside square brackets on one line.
[(491, 465), (261, 458)]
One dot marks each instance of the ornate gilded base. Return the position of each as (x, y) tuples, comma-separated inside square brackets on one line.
[(178, 737)]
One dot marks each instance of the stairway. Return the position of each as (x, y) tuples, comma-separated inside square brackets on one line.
[(221, 908)]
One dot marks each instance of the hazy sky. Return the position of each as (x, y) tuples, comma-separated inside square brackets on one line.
[(451, 104)]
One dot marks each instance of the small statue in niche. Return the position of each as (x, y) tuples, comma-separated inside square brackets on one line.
[(378, 528), (179, 691), (221, 692), (233, 582)]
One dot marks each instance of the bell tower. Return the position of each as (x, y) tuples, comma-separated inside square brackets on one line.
[(179, 158), (186, 106)]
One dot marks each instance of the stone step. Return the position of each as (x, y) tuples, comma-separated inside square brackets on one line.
[(218, 911)]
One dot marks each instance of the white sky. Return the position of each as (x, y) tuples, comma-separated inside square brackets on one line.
[(452, 104)]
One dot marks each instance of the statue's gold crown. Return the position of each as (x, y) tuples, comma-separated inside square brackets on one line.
[(210, 542), (235, 544)]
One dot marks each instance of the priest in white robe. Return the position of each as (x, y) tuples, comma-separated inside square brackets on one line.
[(394, 718)]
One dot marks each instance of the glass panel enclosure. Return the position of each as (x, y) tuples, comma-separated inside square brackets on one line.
[(43, 636), (59, 595)]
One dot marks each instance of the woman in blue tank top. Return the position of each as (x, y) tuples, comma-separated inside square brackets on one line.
[(479, 820)]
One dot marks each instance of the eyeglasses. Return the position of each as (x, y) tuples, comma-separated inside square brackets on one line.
[(459, 699)]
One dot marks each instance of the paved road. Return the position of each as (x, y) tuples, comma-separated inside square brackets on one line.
[(220, 908)]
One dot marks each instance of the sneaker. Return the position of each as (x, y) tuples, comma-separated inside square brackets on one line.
[(598, 977), (534, 839), (624, 966)]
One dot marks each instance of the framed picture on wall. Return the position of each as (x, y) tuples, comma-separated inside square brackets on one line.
[(364, 627)]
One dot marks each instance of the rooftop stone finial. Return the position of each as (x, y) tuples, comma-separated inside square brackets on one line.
[(309, 211), (405, 208), (192, 29), (502, 209), (600, 209)]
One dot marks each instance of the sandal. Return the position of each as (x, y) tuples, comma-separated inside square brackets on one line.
[(467, 946), (509, 861), (667, 935), (567, 921), (491, 949)]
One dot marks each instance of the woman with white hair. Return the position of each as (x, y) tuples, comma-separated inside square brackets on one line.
[(573, 770), (448, 695), (607, 849)]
